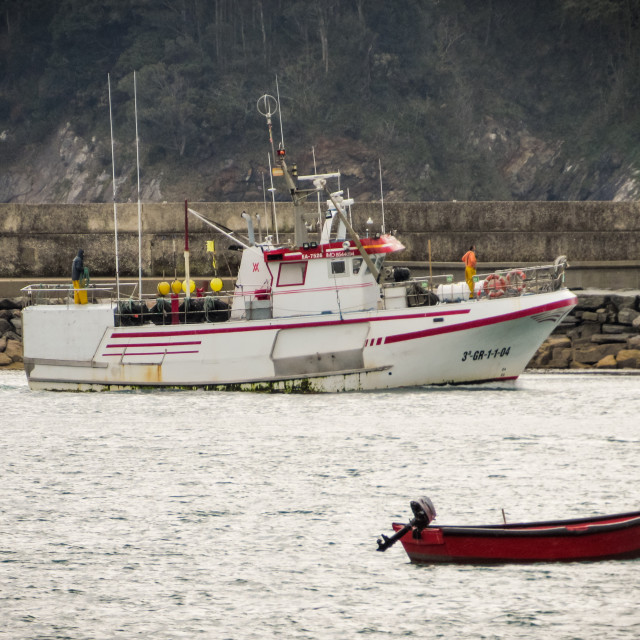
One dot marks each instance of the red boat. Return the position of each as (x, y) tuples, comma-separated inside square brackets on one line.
[(594, 538)]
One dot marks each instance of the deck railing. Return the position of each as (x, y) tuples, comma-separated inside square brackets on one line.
[(507, 282)]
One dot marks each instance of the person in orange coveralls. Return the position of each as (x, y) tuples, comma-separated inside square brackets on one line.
[(469, 260)]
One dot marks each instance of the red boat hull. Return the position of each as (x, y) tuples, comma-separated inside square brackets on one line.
[(596, 538)]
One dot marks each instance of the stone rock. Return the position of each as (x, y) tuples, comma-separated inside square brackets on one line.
[(574, 334), (17, 325), (557, 341), (10, 303), (608, 362), (627, 316), (541, 358), (604, 338), (590, 316), (591, 355), (579, 365), (14, 350), (632, 343), (3, 343), (628, 359), (12, 335), (5, 326), (624, 301), (5, 360), (613, 328), (561, 358), (591, 302), (636, 324)]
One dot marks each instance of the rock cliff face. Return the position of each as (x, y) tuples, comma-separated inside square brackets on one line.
[(537, 169), (68, 168), (71, 168)]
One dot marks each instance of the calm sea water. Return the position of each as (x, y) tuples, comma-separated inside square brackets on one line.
[(184, 515)]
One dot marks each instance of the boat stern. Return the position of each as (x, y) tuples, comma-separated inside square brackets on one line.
[(68, 335)]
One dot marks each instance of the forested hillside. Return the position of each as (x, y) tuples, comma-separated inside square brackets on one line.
[(458, 99)]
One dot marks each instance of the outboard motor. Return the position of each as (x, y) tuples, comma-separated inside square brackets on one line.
[(424, 512)]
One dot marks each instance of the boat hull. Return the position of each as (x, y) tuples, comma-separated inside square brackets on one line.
[(77, 347), (599, 538)]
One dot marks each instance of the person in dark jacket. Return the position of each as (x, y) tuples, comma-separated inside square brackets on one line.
[(77, 272)]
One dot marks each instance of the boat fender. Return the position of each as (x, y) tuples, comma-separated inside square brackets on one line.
[(494, 285), (515, 279)]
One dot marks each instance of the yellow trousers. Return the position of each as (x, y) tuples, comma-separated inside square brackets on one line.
[(79, 294), (469, 272)]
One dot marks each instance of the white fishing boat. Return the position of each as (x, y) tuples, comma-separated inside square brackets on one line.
[(320, 314)]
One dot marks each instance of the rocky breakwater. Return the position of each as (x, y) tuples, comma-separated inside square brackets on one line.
[(602, 332), (11, 333)]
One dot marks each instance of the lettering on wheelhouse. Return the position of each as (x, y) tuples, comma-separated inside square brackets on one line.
[(482, 354)]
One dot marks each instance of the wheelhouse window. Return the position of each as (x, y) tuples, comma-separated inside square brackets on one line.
[(357, 265), (338, 268), (292, 273)]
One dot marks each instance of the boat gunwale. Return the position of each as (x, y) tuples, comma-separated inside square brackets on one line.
[(593, 525)]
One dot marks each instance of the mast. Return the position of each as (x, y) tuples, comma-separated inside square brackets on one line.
[(272, 191), (381, 194), (115, 207), (186, 251), (268, 106), (135, 102)]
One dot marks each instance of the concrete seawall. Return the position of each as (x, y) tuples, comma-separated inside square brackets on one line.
[(601, 239)]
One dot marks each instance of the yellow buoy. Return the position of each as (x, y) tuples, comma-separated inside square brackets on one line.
[(192, 286), (216, 284), (176, 286), (163, 288)]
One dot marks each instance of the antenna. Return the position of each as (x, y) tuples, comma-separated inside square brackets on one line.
[(135, 102), (264, 197), (273, 201), (315, 171), (280, 111), (115, 206), (381, 195), (268, 106)]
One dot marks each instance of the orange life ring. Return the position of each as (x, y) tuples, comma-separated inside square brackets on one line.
[(494, 285), (515, 279)]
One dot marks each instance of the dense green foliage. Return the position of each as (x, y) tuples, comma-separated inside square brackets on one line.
[(414, 82)]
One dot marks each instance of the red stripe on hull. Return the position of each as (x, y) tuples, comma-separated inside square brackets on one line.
[(156, 344), (129, 354), (473, 324), (275, 327)]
